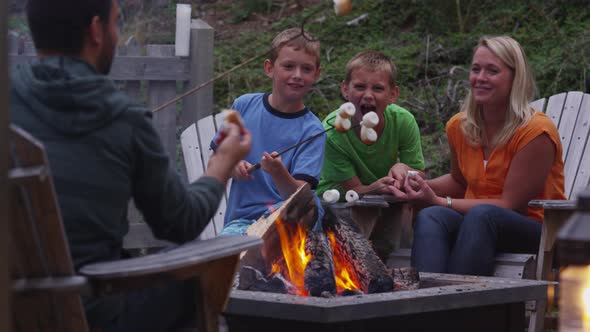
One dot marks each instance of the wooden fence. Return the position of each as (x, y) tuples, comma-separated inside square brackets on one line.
[(152, 75)]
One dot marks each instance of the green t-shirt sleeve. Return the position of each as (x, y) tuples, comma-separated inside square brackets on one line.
[(410, 147)]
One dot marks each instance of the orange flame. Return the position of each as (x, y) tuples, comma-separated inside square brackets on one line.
[(292, 238), (346, 278), (295, 258)]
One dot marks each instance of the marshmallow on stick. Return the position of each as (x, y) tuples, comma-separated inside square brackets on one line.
[(331, 196), (368, 134), (352, 196), (346, 110), (342, 125), (342, 122), (229, 116), (342, 7)]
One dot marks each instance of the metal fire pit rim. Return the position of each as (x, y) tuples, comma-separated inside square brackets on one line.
[(465, 292)]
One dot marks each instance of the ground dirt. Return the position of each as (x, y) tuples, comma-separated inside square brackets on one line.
[(219, 14)]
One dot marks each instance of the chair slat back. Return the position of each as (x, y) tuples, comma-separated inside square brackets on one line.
[(39, 242), (570, 111), (195, 141)]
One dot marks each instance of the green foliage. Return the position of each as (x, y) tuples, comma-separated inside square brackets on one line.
[(244, 9), (431, 42)]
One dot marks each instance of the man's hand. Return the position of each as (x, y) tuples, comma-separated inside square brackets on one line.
[(231, 150)]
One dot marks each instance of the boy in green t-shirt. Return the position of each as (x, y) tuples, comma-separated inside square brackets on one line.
[(350, 164)]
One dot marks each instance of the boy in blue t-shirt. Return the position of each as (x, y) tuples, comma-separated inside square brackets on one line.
[(278, 120)]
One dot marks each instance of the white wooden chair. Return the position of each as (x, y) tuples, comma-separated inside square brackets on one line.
[(570, 111), (195, 141), (45, 287)]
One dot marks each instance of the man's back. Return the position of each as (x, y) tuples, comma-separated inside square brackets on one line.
[(103, 150)]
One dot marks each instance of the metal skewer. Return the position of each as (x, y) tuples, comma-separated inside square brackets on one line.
[(258, 165)]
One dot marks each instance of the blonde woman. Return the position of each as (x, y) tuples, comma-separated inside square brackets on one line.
[(503, 154)]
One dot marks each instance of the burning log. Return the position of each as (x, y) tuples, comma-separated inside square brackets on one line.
[(299, 208), (252, 279), (351, 246), (319, 272)]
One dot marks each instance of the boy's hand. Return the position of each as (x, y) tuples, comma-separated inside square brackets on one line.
[(233, 148), (272, 163), (399, 171), (382, 186), (241, 171)]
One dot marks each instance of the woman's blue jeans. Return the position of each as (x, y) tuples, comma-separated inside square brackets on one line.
[(446, 241)]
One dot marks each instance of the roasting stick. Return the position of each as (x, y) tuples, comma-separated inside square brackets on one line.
[(341, 7), (257, 166)]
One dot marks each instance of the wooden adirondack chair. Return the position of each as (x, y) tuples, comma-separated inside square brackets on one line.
[(46, 289), (570, 112), (195, 141)]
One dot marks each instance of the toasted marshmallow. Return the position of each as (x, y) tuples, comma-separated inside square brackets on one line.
[(346, 110), (342, 7), (368, 135), (331, 196), (370, 120), (352, 196), (342, 125)]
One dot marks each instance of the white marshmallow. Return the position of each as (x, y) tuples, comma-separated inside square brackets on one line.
[(370, 120), (352, 196), (341, 124), (346, 110), (368, 135), (411, 174), (331, 196)]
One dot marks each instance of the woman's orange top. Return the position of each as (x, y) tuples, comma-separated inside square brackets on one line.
[(488, 182)]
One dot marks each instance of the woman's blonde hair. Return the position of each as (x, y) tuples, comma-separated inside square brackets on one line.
[(521, 94)]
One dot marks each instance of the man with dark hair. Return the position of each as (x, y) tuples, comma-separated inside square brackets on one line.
[(103, 151)]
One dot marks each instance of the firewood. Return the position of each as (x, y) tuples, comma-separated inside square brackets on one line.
[(298, 208), (319, 272), (252, 279), (354, 247)]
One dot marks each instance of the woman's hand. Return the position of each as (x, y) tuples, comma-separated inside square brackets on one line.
[(416, 189)]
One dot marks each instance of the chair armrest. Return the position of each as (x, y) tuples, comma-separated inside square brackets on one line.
[(182, 262), (554, 204)]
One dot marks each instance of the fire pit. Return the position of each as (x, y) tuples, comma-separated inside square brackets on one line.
[(443, 303), (330, 278)]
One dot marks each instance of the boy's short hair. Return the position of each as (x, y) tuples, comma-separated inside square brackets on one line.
[(372, 61), (297, 38), (60, 25)]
